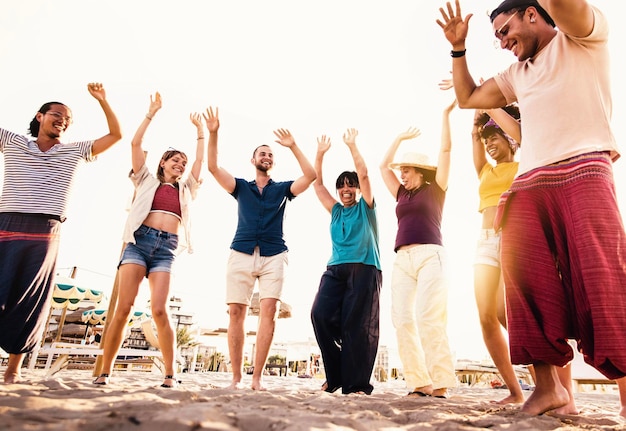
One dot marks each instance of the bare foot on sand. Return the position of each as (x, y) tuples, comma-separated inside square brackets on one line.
[(568, 409), (511, 399), (257, 386), (10, 377), (234, 385), (540, 402)]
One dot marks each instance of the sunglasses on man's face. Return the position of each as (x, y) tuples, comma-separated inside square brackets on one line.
[(501, 31)]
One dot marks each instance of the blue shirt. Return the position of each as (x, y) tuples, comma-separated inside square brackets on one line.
[(261, 216), (354, 233)]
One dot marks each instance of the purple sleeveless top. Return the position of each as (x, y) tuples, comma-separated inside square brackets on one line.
[(419, 215)]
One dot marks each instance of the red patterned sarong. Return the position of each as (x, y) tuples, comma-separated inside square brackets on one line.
[(564, 265)]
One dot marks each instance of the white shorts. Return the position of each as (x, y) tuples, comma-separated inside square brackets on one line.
[(488, 248), (243, 270)]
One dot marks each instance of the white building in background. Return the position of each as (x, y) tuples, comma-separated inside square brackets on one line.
[(179, 317)]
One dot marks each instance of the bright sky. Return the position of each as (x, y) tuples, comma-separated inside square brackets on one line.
[(312, 67)]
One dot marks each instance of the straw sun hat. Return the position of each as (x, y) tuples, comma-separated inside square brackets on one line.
[(416, 160)]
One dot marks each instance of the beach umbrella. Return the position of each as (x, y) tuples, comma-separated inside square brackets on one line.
[(95, 296), (68, 291), (67, 295), (98, 317), (94, 317)]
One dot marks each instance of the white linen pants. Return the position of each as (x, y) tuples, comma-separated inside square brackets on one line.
[(419, 312)]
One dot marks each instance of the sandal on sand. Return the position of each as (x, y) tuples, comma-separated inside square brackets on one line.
[(103, 382), (170, 377), (441, 393)]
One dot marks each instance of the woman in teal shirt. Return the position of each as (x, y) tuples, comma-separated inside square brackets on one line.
[(345, 312)]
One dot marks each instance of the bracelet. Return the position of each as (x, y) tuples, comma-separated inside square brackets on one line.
[(200, 137), (457, 54), (149, 117)]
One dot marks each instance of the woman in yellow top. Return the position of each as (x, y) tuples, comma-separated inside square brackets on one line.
[(495, 176), (497, 132)]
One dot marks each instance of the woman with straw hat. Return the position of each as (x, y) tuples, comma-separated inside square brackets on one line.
[(419, 291)]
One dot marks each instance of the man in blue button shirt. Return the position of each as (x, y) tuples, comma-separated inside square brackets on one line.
[(258, 251)]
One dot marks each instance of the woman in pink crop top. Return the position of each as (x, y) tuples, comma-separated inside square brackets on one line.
[(159, 209), (419, 289)]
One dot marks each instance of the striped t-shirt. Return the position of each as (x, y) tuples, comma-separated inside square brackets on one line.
[(38, 182)]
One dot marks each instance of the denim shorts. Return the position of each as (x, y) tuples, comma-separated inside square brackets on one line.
[(153, 249), (488, 248)]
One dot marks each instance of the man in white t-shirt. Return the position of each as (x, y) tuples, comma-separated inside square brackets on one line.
[(562, 233)]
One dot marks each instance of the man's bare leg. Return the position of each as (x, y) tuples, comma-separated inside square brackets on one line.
[(13, 372), (265, 335), (236, 339), (565, 378), (621, 385), (549, 394)]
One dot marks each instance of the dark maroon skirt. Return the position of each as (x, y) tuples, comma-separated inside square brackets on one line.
[(564, 265)]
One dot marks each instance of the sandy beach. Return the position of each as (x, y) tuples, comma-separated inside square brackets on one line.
[(134, 401)]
